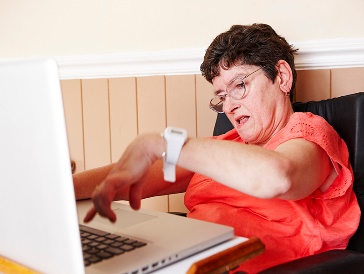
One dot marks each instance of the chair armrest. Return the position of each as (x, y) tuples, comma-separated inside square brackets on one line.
[(333, 261)]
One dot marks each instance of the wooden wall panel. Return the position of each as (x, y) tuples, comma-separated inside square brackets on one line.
[(152, 118), (180, 112), (180, 103), (72, 103), (176, 203), (312, 85), (123, 114), (204, 115), (151, 104), (95, 101), (347, 81)]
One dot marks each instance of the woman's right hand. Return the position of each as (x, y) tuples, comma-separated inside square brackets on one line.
[(125, 179)]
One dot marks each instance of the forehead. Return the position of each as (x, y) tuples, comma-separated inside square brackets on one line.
[(227, 76)]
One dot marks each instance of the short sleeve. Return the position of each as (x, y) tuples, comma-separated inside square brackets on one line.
[(317, 130)]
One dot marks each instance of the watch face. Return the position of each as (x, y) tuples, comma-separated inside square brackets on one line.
[(177, 131)]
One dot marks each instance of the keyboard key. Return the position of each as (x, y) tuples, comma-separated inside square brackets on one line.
[(116, 244), (108, 242), (127, 247), (113, 236), (129, 241), (93, 250), (92, 237), (139, 244), (115, 251), (93, 230), (94, 259), (102, 246), (121, 239), (100, 239), (93, 244), (104, 255)]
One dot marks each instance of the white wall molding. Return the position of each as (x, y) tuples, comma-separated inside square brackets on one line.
[(171, 62), (312, 55), (330, 54)]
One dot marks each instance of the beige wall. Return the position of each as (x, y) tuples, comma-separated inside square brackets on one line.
[(79, 27)]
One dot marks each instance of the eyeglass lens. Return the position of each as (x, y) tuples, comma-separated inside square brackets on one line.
[(236, 90)]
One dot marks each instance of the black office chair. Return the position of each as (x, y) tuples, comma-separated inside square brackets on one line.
[(346, 115)]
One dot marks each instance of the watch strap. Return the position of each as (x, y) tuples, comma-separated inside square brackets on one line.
[(175, 139)]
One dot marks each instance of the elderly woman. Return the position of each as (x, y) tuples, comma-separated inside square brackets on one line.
[(282, 176)]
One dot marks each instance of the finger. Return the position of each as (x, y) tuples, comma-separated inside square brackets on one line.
[(110, 214), (135, 196), (102, 199), (90, 215), (103, 209)]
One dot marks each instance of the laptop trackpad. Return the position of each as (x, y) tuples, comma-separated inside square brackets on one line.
[(126, 218)]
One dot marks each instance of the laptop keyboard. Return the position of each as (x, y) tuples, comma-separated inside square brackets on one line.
[(98, 245)]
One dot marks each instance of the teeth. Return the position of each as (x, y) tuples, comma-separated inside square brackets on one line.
[(239, 121)]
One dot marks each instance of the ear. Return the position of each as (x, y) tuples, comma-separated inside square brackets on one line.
[(285, 78)]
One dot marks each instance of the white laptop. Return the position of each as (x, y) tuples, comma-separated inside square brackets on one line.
[(38, 214)]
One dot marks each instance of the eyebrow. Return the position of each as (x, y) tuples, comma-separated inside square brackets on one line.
[(216, 92)]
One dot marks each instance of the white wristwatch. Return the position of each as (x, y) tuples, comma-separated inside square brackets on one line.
[(175, 139)]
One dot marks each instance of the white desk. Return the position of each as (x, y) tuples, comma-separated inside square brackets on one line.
[(183, 265)]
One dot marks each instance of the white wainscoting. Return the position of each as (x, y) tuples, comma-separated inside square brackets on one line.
[(338, 53)]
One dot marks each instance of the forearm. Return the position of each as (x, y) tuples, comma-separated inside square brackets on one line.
[(247, 168), (292, 171), (86, 181), (155, 185)]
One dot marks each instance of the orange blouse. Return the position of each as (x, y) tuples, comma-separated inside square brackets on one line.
[(289, 229)]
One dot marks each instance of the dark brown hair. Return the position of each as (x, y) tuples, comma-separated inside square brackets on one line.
[(256, 44)]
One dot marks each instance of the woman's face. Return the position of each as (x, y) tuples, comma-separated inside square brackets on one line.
[(262, 111)]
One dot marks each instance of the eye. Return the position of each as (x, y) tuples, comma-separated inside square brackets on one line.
[(240, 85), (221, 97)]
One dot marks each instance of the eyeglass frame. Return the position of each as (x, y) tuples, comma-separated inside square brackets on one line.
[(228, 94)]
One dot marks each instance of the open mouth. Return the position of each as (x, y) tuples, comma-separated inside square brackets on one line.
[(241, 120)]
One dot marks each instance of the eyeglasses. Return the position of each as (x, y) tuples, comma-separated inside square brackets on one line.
[(236, 90)]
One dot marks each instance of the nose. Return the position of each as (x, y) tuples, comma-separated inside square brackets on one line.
[(230, 105)]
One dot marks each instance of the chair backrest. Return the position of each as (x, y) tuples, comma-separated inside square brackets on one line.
[(346, 116)]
